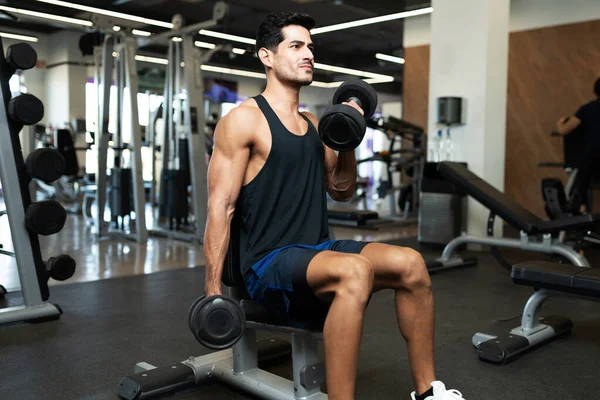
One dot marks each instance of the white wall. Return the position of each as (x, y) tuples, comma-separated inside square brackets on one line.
[(524, 15)]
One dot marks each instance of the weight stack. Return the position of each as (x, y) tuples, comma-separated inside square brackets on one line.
[(442, 208), (177, 207), (121, 192), (184, 160)]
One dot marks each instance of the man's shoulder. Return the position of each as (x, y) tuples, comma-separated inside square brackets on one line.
[(592, 105), (247, 111), (243, 119)]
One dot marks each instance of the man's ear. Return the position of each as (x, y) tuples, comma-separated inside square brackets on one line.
[(266, 57)]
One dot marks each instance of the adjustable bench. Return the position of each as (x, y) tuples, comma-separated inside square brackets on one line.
[(549, 279), (238, 366), (529, 225)]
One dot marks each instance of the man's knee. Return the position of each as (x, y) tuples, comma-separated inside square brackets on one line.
[(413, 271), (354, 275)]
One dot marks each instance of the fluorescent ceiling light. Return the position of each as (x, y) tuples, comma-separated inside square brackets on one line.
[(230, 71), (369, 21), (379, 80), (389, 58), (205, 45), (235, 50), (140, 33), (154, 60), (350, 71), (323, 67), (116, 28), (226, 36), (52, 17), (177, 39), (142, 20), (250, 74), (19, 37)]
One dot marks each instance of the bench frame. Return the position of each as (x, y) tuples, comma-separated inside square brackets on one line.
[(238, 367), (533, 331)]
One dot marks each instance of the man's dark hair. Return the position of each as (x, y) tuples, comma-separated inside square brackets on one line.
[(597, 87), (269, 33)]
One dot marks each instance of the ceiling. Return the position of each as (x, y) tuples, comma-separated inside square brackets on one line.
[(350, 48)]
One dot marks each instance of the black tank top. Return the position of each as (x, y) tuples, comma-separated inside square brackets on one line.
[(286, 203)]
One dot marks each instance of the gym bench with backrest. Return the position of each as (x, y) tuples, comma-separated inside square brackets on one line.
[(530, 226)]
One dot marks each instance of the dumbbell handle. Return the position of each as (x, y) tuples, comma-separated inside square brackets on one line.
[(356, 100)]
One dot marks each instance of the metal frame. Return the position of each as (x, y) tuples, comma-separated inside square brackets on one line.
[(126, 76), (184, 76), (547, 246), (15, 197), (532, 332), (236, 367)]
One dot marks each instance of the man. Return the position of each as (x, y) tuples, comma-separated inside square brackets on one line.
[(270, 167), (586, 119)]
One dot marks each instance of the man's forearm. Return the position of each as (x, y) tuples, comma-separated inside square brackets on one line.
[(344, 175), (216, 242)]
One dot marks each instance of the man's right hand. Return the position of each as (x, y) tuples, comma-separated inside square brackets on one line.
[(213, 291)]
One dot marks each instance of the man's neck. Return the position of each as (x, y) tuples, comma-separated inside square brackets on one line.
[(282, 97)]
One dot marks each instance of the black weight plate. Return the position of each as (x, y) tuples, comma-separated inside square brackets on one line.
[(217, 326), (45, 217), (360, 89), (45, 164), (61, 267), (342, 127), (21, 56), (26, 109)]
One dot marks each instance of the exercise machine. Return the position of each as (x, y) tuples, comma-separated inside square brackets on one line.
[(126, 186), (179, 187), (28, 219), (548, 280), (535, 235), (406, 161), (562, 199)]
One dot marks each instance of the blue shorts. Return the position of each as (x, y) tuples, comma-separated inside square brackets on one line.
[(278, 282)]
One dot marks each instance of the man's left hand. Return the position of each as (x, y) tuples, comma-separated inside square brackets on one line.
[(354, 104)]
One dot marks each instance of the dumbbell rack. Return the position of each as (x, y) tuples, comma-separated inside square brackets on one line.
[(27, 219)]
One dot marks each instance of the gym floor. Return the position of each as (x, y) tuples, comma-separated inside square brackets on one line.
[(110, 324)]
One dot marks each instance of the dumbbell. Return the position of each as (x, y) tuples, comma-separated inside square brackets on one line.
[(45, 164), (60, 268), (342, 127), (217, 322), (26, 109), (45, 217), (21, 56)]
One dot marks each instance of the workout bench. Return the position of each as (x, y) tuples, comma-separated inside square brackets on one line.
[(548, 279), (530, 226), (238, 367)]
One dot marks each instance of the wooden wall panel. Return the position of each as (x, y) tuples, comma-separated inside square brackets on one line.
[(415, 85), (551, 72)]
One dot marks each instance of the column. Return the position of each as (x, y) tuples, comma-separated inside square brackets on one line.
[(469, 59)]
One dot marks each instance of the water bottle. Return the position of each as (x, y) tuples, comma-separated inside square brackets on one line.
[(448, 147), (436, 147)]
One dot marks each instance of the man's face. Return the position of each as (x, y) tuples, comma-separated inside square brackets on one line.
[(294, 61)]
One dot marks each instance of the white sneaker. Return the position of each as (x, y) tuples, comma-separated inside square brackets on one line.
[(440, 393)]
